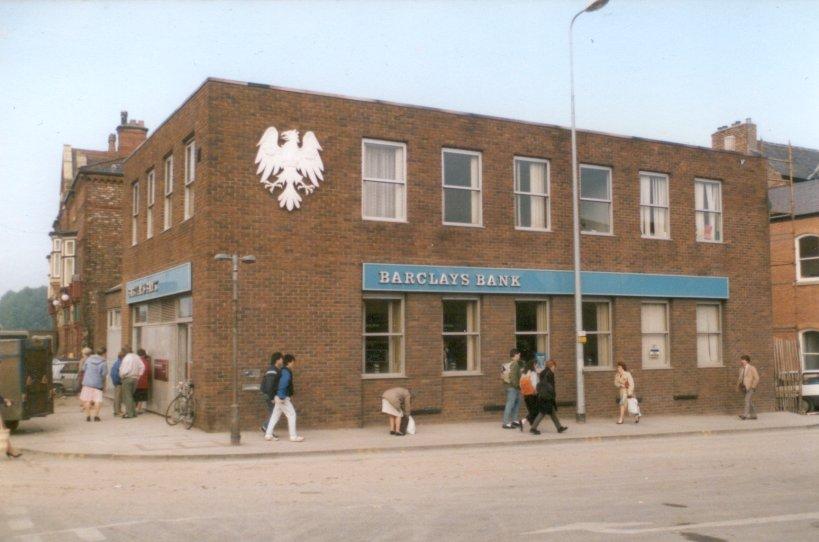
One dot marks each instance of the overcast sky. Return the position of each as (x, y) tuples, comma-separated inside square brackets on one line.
[(666, 69)]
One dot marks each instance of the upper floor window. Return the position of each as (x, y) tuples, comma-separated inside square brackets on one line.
[(69, 247), (708, 205), (462, 187), (595, 199), (56, 266), (384, 188), (56, 245), (654, 219), (167, 211), (810, 350), (134, 213), (149, 213), (807, 263), (532, 194), (190, 177)]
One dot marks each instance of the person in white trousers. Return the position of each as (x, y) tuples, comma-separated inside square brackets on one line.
[(283, 403)]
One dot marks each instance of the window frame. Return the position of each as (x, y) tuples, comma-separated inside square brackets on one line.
[(476, 369), (517, 193), (189, 178), (612, 365), (69, 253), (389, 335), (653, 206), (802, 352), (798, 252), (538, 333), (167, 214), (720, 333), (610, 200), (444, 187), (149, 205), (666, 333), (56, 244), (720, 213), (404, 183), (134, 213)]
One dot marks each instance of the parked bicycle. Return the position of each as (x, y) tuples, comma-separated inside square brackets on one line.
[(183, 407)]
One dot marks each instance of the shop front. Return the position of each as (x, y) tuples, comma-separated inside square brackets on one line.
[(162, 314)]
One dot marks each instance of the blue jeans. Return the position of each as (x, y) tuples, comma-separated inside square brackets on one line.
[(511, 412)]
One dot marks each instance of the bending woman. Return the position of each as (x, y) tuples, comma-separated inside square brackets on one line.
[(395, 403)]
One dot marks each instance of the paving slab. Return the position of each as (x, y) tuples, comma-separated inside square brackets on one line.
[(148, 436)]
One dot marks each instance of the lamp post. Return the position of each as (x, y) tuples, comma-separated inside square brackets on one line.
[(594, 5), (235, 435)]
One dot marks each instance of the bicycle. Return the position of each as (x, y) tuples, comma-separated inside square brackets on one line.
[(183, 406)]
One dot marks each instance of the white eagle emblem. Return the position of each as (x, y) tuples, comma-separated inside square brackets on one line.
[(290, 164)]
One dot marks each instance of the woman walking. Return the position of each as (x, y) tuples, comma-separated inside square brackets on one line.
[(10, 451), (93, 382), (395, 403), (528, 387), (624, 382), (547, 399), (143, 384)]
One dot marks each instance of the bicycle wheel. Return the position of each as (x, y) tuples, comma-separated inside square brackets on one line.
[(173, 414), (190, 412)]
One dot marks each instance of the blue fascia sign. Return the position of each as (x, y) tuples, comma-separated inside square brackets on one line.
[(380, 277), (176, 280)]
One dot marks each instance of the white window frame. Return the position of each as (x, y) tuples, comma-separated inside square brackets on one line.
[(167, 215), (114, 319), (70, 247), (475, 335), (719, 332), (444, 187), (667, 208), (610, 199), (802, 352), (719, 213), (190, 178), (798, 252), (646, 363), (610, 333), (56, 245), (56, 265), (134, 213), (396, 144), (539, 333), (519, 193), (149, 211), (389, 335), (68, 262)]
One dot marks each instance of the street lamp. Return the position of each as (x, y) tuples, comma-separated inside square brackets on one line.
[(235, 435), (578, 295)]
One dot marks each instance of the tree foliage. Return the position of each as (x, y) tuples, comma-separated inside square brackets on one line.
[(25, 309)]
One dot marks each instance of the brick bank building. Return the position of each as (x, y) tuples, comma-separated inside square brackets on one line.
[(421, 245)]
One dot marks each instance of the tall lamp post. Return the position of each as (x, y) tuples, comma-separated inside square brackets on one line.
[(594, 5), (235, 435)]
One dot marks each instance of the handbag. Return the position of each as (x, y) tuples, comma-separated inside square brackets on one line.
[(411, 426), (633, 406)]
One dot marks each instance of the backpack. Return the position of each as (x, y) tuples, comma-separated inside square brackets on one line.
[(506, 372), (526, 386), (270, 382)]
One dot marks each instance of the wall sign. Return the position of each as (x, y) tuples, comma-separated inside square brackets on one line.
[(378, 277), (290, 164), (172, 281), (161, 370)]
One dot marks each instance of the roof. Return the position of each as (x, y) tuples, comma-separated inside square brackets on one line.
[(91, 157), (805, 198), (805, 161), (110, 166)]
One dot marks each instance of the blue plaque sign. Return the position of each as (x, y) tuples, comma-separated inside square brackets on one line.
[(175, 280)]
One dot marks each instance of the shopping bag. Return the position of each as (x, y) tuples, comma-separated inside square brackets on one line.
[(633, 406), (411, 426)]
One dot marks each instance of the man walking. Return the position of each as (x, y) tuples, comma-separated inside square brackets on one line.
[(270, 385), (129, 371), (283, 404), (748, 381), (510, 374), (117, 382)]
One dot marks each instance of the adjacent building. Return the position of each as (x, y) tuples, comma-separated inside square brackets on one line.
[(409, 246)]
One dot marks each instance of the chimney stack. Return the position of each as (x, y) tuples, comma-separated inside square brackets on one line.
[(739, 136), (131, 133), (112, 143)]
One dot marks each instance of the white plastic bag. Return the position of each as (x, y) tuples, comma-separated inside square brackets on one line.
[(411, 426), (633, 406)]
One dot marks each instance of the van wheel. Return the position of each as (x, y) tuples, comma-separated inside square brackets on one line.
[(12, 425), (805, 406)]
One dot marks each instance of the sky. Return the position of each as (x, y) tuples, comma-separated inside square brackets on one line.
[(664, 69)]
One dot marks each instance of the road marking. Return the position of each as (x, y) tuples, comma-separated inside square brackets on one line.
[(20, 524), (91, 534), (632, 528)]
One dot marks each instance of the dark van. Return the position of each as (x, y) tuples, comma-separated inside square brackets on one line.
[(25, 377)]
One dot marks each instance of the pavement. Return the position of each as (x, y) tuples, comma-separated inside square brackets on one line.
[(66, 433)]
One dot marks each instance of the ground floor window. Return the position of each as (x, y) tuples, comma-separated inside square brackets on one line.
[(461, 335), (597, 325), (654, 322), (810, 350), (709, 335), (532, 327), (383, 335)]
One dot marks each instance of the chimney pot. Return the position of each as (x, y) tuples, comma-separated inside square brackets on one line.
[(112, 143), (123, 115), (748, 120)]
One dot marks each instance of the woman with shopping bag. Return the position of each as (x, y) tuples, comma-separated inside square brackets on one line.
[(624, 382), (395, 403)]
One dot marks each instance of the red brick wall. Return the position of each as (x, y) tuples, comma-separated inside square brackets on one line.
[(304, 294)]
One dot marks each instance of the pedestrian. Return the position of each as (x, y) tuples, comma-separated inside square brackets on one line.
[(624, 382), (748, 381), (283, 403), (144, 383), (130, 370), (10, 451), (510, 374), (529, 379), (396, 403), (84, 353), (116, 381), (93, 382), (547, 399), (270, 385)]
